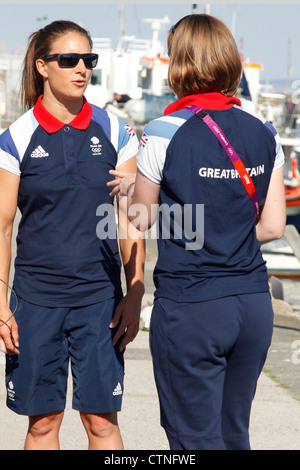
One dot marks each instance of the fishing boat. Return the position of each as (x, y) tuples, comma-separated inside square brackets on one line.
[(282, 112), (292, 195), (279, 256)]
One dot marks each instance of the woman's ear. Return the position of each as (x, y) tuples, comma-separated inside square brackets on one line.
[(41, 67)]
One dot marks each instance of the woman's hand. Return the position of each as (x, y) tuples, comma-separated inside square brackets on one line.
[(121, 182), (127, 316)]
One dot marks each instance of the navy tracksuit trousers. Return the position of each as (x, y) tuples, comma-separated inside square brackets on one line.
[(207, 358)]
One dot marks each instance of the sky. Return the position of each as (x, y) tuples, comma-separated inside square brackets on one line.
[(269, 32)]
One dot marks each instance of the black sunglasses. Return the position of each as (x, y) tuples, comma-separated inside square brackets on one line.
[(70, 60)]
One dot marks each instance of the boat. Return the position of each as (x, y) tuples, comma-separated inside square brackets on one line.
[(282, 112), (291, 148), (292, 179), (138, 68), (292, 195)]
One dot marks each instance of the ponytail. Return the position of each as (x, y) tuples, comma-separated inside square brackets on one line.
[(32, 81), (40, 43)]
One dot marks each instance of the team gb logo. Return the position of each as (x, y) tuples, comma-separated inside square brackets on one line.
[(95, 146)]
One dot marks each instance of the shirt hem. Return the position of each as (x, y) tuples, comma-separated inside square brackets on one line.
[(83, 301), (10, 169), (204, 298)]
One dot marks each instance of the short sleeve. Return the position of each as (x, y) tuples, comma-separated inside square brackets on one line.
[(127, 143), (154, 145), (151, 156), (9, 156), (280, 157)]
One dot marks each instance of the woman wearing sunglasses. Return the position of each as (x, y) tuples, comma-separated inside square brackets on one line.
[(54, 164), (212, 167)]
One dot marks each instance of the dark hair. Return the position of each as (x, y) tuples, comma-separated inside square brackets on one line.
[(40, 44), (203, 56)]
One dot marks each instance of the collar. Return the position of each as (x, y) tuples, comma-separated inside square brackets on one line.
[(48, 122), (211, 100)]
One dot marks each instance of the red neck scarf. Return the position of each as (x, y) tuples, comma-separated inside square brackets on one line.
[(212, 100)]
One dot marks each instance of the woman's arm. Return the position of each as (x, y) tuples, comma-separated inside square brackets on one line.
[(9, 187), (132, 250), (272, 220), (142, 214)]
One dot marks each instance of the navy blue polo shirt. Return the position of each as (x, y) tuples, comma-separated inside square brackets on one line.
[(63, 258), (207, 241)]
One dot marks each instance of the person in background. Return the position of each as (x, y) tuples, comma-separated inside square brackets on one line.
[(121, 99), (212, 319), (54, 164)]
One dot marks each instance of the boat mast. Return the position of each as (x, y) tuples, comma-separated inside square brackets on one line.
[(207, 8), (289, 63), (156, 25), (121, 26)]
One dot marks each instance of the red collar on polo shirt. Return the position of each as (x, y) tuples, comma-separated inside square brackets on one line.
[(212, 100), (48, 122)]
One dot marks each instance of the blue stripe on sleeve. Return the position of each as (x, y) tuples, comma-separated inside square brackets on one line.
[(161, 128), (271, 128), (7, 144)]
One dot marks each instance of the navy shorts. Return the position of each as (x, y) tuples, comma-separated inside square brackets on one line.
[(50, 340), (207, 358)]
